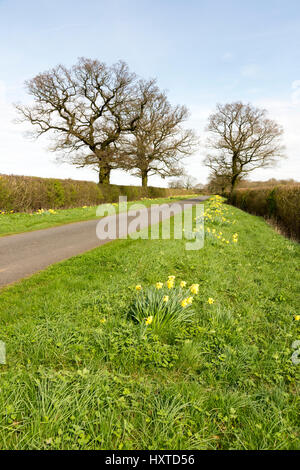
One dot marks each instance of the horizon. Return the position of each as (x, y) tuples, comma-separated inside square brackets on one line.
[(201, 52)]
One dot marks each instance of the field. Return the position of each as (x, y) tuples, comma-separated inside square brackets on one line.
[(81, 374), (11, 223)]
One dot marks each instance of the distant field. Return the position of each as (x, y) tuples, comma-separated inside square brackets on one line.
[(81, 374)]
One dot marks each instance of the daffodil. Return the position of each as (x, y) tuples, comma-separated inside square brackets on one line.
[(184, 303), (210, 301), (159, 285), (194, 288), (297, 317), (165, 298), (170, 284), (149, 320), (189, 300), (138, 287), (182, 284), (171, 278)]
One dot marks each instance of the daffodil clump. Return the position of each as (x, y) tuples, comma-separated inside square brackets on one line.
[(164, 305), (217, 214)]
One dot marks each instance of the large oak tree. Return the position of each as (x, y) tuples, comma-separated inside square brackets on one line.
[(158, 142), (86, 109), (242, 138)]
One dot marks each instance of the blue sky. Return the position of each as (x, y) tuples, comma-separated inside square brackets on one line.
[(201, 51)]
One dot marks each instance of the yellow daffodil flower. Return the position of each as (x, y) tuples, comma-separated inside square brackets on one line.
[(182, 284), (149, 320), (184, 303), (165, 298), (194, 288), (159, 285), (138, 287), (210, 301)]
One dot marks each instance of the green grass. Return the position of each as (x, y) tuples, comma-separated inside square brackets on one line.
[(225, 381), (26, 222)]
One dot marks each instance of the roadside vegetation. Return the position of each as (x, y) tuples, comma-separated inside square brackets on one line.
[(99, 358), (11, 222), (280, 204)]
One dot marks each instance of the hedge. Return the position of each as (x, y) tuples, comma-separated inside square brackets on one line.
[(30, 193), (280, 204)]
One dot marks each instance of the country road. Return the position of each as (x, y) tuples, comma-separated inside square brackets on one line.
[(24, 254)]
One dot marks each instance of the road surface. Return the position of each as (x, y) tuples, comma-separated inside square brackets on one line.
[(24, 254)]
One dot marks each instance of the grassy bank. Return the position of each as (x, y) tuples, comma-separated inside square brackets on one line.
[(11, 223), (81, 374)]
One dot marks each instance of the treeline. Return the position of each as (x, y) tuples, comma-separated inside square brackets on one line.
[(28, 193), (280, 203)]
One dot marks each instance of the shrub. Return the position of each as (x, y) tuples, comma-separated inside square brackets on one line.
[(281, 203), (28, 193)]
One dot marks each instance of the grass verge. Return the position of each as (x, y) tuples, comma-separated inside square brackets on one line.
[(80, 375)]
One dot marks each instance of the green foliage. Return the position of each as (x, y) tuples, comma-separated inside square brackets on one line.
[(281, 203), (162, 308), (55, 194), (80, 374), (129, 347)]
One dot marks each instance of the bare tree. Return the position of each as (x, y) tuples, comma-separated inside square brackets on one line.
[(242, 139), (218, 183), (158, 142), (86, 109), (184, 182)]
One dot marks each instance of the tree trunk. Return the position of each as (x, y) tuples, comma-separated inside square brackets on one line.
[(234, 172), (233, 183), (104, 175), (144, 179)]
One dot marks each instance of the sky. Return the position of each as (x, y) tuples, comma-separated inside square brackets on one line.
[(202, 52)]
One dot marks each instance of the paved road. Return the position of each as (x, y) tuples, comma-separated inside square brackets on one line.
[(24, 254)]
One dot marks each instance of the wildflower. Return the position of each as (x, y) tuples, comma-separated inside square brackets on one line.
[(210, 301), (138, 287), (189, 300), (297, 317), (194, 288), (184, 303), (159, 285), (165, 298), (170, 284), (171, 278), (182, 284), (149, 320)]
